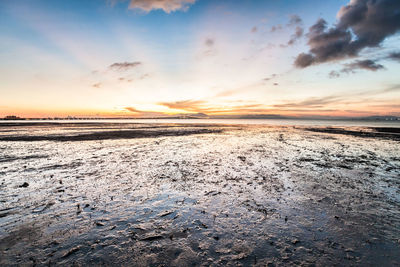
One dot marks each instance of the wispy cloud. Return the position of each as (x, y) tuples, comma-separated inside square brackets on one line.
[(334, 74), (296, 35), (276, 28), (344, 98), (294, 20), (349, 68), (187, 105), (367, 64), (142, 113), (123, 66), (167, 6), (314, 102)]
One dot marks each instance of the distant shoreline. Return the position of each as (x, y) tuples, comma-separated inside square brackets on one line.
[(372, 118)]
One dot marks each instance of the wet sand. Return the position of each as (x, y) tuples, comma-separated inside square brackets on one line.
[(198, 195)]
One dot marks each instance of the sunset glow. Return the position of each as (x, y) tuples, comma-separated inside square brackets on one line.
[(214, 58)]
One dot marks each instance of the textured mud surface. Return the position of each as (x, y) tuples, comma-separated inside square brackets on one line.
[(227, 195)]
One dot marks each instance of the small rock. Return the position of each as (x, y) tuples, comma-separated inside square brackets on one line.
[(25, 184), (295, 241)]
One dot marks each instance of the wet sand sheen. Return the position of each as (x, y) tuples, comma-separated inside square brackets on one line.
[(228, 195)]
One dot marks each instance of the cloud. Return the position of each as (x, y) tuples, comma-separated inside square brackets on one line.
[(188, 105), (270, 77), (204, 107), (167, 6), (276, 28), (132, 109), (141, 113), (392, 88), (254, 29), (304, 60), (394, 56), (209, 42), (314, 102), (297, 35), (343, 98), (369, 21), (123, 66), (367, 64), (294, 20), (334, 74)]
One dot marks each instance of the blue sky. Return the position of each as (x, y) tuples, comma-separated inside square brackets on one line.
[(208, 56)]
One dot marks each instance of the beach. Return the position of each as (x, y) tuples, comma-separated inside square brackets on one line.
[(176, 194)]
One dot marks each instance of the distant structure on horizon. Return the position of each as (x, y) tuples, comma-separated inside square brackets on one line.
[(12, 117)]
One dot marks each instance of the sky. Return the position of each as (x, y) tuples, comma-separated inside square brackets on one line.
[(152, 58)]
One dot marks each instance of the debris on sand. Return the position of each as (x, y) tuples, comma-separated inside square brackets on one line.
[(25, 184), (71, 251), (166, 213)]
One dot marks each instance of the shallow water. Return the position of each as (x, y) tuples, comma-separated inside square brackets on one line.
[(242, 195), (274, 122)]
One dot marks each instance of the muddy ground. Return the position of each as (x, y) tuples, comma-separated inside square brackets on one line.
[(198, 195)]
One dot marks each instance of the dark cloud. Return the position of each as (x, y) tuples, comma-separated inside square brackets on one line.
[(304, 60), (123, 66), (367, 64), (394, 56), (167, 6), (369, 21)]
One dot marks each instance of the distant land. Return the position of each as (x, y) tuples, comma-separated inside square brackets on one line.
[(204, 116)]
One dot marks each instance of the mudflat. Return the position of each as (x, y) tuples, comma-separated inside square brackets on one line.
[(200, 195)]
